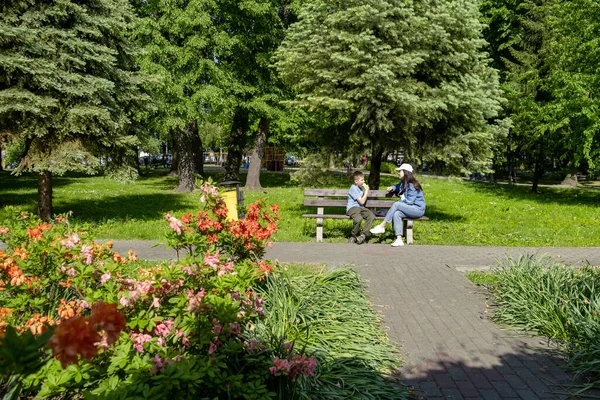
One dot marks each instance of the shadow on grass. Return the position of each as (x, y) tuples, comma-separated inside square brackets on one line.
[(559, 196), (27, 181), (124, 207)]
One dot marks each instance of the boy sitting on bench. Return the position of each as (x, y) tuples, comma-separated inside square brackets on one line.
[(355, 209)]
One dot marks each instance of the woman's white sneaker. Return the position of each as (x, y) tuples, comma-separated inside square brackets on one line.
[(378, 229), (398, 242)]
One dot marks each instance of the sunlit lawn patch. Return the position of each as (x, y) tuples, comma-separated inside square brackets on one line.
[(461, 212)]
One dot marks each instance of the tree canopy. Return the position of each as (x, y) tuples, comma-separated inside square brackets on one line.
[(402, 74), (68, 86)]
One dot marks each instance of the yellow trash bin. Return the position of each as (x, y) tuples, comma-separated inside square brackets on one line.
[(230, 198)]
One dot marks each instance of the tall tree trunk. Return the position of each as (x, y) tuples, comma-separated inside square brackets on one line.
[(184, 142), (174, 157), (236, 145), (538, 171), (198, 152), (1, 162), (253, 179), (375, 172), (45, 196)]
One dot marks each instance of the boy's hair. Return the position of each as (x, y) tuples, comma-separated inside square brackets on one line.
[(356, 174)]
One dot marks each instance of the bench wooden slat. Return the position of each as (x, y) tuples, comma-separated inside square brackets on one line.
[(342, 193), (342, 203)]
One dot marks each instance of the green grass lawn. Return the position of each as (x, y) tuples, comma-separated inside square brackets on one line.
[(461, 212)]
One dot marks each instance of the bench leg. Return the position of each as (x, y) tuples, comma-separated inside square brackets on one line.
[(319, 229), (320, 211), (408, 230)]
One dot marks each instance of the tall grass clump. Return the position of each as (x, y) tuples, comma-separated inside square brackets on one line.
[(557, 301), (326, 314)]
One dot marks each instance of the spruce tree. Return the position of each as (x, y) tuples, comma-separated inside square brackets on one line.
[(407, 74), (68, 86)]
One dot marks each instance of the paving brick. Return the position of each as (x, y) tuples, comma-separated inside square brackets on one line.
[(527, 395), (515, 382), (467, 389), (444, 380), (458, 374), (490, 394), (452, 394), (479, 380), (430, 389), (504, 389)]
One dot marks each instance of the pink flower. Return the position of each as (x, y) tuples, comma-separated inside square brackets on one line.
[(86, 251), (155, 302), (159, 363), (212, 261), (214, 345), (280, 364), (195, 299), (3, 230), (105, 278), (163, 328), (139, 339), (235, 328), (124, 301), (174, 223), (184, 339), (225, 268), (71, 241), (71, 272)]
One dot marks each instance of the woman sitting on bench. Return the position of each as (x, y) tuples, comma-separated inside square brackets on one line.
[(411, 205)]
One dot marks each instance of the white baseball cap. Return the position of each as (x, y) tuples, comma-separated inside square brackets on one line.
[(406, 167)]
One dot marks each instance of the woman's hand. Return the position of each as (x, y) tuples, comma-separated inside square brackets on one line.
[(389, 188)]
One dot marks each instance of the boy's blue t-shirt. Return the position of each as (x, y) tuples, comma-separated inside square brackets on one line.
[(354, 194)]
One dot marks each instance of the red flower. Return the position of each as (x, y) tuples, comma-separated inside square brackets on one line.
[(212, 238), (74, 337), (187, 218), (106, 317)]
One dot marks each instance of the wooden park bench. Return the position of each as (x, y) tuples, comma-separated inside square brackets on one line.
[(335, 201)]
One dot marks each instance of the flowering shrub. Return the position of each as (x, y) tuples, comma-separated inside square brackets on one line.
[(211, 229), (153, 329)]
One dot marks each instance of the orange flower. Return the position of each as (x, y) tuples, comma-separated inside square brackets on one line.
[(45, 226), (106, 317), (68, 310), (67, 283), (34, 233), (131, 255), (4, 312), (37, 324), (21, 253), (118, 258), (73, 337)]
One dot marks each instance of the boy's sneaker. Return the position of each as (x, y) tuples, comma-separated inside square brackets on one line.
[(352, 239), (361, 239), (378, 229), (398, 242)]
